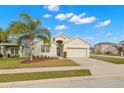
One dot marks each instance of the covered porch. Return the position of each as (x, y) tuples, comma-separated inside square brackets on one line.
[(13, 50)]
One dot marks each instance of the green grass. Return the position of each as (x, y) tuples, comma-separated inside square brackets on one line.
[(13, 63), (109, 54), (109, 59), (43, 75)]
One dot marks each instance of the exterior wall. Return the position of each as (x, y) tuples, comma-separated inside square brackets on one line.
[(23, 51), (78, 43), (62, 37), (104, 48), (113, 49), (37, 50), (88, 52)]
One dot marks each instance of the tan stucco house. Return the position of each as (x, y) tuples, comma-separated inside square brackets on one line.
[(106, 48), (74, 47)]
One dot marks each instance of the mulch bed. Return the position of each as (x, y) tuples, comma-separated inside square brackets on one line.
[(38, 59)]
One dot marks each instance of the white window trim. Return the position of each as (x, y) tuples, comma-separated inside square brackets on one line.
[(45, 48)]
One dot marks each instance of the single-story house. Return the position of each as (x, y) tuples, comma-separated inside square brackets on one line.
[(74, 47), (13, 49)]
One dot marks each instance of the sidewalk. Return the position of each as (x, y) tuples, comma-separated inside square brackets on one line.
[(42, 69)]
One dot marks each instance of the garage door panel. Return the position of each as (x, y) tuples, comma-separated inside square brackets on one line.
[(75, 52)]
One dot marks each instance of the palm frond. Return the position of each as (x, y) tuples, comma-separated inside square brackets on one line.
[(26, 18)]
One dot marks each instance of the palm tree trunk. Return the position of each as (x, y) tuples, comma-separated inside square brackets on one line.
[(122, 53), (31, 51)]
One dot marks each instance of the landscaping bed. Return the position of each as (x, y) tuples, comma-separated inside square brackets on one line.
[(109, 59), (38, 59), (14, 63), (43, 75)]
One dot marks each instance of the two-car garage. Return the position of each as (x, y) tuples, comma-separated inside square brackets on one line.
[(77, 47), (76, 52)]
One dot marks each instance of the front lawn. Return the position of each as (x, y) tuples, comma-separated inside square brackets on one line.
[(43, 75), (13, 63), (109, 59)]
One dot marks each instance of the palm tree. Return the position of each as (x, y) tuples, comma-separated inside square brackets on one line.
[(4, 35), (29, 30)]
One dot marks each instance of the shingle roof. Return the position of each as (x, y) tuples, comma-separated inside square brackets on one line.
[(107, 43)]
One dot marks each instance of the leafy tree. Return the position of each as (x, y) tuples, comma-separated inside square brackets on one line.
[(121, 50)]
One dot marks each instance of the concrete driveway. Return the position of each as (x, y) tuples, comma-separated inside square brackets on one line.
[(98, 67)]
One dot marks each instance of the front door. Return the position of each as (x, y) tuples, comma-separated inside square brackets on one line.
[(59, 48), (58, 51)]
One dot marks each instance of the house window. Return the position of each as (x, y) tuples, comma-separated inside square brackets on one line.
[(16, 51), (45, 48), (12, 51), (42, 48)]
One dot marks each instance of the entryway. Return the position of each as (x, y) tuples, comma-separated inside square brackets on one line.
[(59, 48)]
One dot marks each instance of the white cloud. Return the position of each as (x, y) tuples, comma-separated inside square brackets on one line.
[(61, 27), (114, 38), (47, 15), (60, 17), (109, 34), (52, 7), (64, 16), (77, 19), (87, 20), (103, 24), (68, 15)]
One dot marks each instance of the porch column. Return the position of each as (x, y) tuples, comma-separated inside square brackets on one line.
[(1, 49), (122, 53), (20, 51)]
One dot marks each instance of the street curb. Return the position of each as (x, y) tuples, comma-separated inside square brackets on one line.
[(45, 81)]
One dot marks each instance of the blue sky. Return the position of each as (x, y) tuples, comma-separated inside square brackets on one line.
[(92, 23)]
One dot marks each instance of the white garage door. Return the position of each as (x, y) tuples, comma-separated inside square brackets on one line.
[(76, 52)]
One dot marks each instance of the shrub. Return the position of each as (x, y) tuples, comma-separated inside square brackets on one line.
[(8, 55), (1, 55), (65, 54)]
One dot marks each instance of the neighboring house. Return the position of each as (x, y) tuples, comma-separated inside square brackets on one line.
[(13, 49), (75, 47), (105, 48), (121, 44)]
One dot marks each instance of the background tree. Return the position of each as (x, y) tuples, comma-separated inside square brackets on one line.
[(28, 30), (120, 50)]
